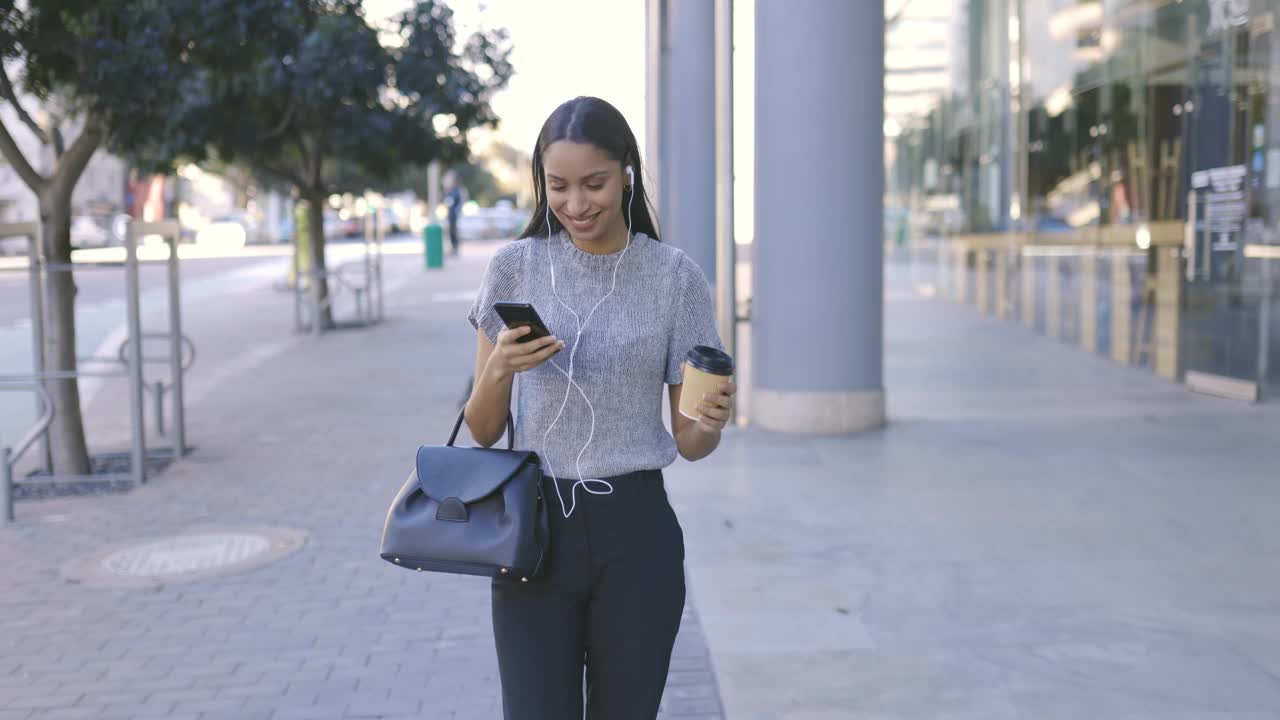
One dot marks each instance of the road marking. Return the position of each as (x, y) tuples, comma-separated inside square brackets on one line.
[(454, 296), (401, 245), (109, 347), (243, 363)]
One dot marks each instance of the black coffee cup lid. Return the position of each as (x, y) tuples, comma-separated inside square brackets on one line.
[(711, 360)]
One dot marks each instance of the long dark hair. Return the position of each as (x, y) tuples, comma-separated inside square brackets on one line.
[(591, 121)]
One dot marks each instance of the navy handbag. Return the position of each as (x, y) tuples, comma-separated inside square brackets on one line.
[(470, 511)]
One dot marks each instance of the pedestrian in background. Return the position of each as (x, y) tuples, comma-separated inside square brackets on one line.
[(454, 197)]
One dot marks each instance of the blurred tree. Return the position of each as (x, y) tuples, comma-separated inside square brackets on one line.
[(481, 185), (96, 72), (512, 167), (508, 155), (311, 95), (290, 88)]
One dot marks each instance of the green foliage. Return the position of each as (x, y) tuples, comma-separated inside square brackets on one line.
[(113, 59), (305, 91), (481, 185)]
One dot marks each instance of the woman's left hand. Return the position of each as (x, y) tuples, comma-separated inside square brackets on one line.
[(715, 409)]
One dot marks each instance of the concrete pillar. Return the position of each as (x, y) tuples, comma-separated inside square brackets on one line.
[(688, 130), (434, 170), (1121, 314), (1002, 283), (1089, 301), (1027, 274), (654, 69), (981, 274), (960, 271), (1053, 296), (1168, 302), (943, 269), (818, 313)]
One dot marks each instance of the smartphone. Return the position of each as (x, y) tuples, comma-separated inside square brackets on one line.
[(521, 314)]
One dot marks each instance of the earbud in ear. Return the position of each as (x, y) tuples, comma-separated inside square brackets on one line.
[(631, 173)]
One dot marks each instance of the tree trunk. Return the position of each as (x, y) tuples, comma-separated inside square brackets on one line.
[(66, 434), (320, 285)]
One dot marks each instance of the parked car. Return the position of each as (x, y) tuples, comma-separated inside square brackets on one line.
[(503, 220), (391, 221), (342, 225), (475, 226), (353, 226), (87, 233), (509, 220), (227, 231), (332, 225)]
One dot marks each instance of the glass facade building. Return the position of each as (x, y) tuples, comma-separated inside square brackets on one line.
[(1108, 172)]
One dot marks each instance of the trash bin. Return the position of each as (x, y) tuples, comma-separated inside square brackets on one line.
[(433, 245)]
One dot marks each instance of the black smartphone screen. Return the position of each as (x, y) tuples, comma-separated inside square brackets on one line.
[(520, 314)]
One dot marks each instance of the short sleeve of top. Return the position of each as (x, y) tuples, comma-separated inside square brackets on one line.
[(501, 283), (693, 318)]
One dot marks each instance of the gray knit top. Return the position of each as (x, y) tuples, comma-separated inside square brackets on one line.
[(633, 344)]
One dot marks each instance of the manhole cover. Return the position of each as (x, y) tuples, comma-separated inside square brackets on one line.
[(185, 557), (188, 554)]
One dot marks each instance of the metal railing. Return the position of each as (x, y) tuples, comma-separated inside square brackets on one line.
[(367, 288), (130, 354), (159, 388), (1139, 294), (9, 456)]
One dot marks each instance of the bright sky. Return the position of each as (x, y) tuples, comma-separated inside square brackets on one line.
[(561, 49)]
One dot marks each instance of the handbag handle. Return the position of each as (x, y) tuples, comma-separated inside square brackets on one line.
[(511, 429)]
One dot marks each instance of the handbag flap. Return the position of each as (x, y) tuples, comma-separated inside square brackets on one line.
[(468, 474)]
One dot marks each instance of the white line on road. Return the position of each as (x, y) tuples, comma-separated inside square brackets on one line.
[(454, 296), (109, 347)]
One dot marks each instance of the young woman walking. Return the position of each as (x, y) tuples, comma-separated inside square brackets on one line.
[(624, 310)]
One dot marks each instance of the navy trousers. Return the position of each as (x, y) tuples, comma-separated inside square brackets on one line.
[(606, 610)]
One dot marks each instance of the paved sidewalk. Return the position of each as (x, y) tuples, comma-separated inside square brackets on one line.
[(295, 432), (1039, 533)]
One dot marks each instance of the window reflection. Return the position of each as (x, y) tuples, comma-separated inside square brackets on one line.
[(1072, 124)]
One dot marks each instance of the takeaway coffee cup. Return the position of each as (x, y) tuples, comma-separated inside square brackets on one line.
[(705, 369)]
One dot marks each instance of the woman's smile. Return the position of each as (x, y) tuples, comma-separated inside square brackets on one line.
[(584, 223)]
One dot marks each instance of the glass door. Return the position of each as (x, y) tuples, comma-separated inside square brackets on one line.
[(1225, 133)]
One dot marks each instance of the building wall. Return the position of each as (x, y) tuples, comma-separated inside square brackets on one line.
[(918, 56), (1130, 151)]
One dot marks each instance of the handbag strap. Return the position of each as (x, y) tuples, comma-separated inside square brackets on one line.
[(511, 429)]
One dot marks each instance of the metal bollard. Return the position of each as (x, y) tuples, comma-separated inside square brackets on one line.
[(137, 419), (175, 359), (317, 328), (6, 487), (157, 398)]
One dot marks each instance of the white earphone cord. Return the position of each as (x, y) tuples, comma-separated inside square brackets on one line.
[(581, 325)]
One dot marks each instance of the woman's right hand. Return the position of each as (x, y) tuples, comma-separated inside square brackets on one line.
[(512, 356)]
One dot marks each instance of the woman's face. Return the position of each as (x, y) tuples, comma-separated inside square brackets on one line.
[(584, 190)]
